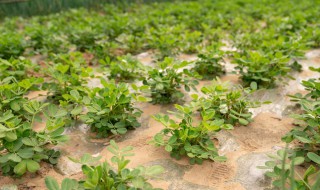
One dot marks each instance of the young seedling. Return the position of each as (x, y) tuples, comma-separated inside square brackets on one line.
[(185, 138), (209, 66), (111, 110), (104, 176), (125, 68), (230, 102), (166, 80), (263, 69), (22, 147)]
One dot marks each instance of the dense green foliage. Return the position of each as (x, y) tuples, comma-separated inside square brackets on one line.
[(230, 102), (22, 147), (166, 80), (103, 176), (209, 66), (306, 134), (266, 35), (283, 171), (110, 109), (183, 137), (265, 40)]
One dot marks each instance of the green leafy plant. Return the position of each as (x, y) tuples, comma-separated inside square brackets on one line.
[(12, 94), (104, 176), (283, 170), (11, 45), (165, 42), (306, 149), (69, 72), (111, 110), (230, 102), (125, 68), (17, 68), (209, 65), (46, 40), (84, 38), (185, 138), (307, 131), (23, 148), (263, 69), (166, 80), (191, 41)]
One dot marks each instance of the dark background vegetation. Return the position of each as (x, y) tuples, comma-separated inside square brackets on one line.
[(25, 8)]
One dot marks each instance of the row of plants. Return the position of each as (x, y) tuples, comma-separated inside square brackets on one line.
[(190, 27), (192, 128), (303, 144), (268, 44), (221, 107), (23, 147), (107, 110), (66, 76), (109, 176)]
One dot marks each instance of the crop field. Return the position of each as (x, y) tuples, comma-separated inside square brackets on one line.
[(174, 95)]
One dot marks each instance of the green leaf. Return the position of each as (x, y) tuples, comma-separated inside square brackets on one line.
[(253, 86), (51, 183), (69, 184), (25, 153), (29, 142), (220, 159), (32, 165), (29, 109), (168, 148), (15, 106), (60, 113), (122, 130), (11, 136), (20, 168), (77, 110), (187, 88), (243, 121), (158, 138), (298, 160), (172, 139), (75, 94), (314, 157), (303, 139), (14, 157)]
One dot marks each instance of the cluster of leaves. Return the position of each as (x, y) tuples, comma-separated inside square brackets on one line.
[(110, 109), (17, 68), (104, 176), (209, 66), (306, 136), (230, 102), (263, 69), (84, 38), (11, 45), (65, 73), (283, 169), (184, 137), (22, 148), (165, 42), (187, 26), (307, 131), (46, 40), (166, 80), (125, 68)]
